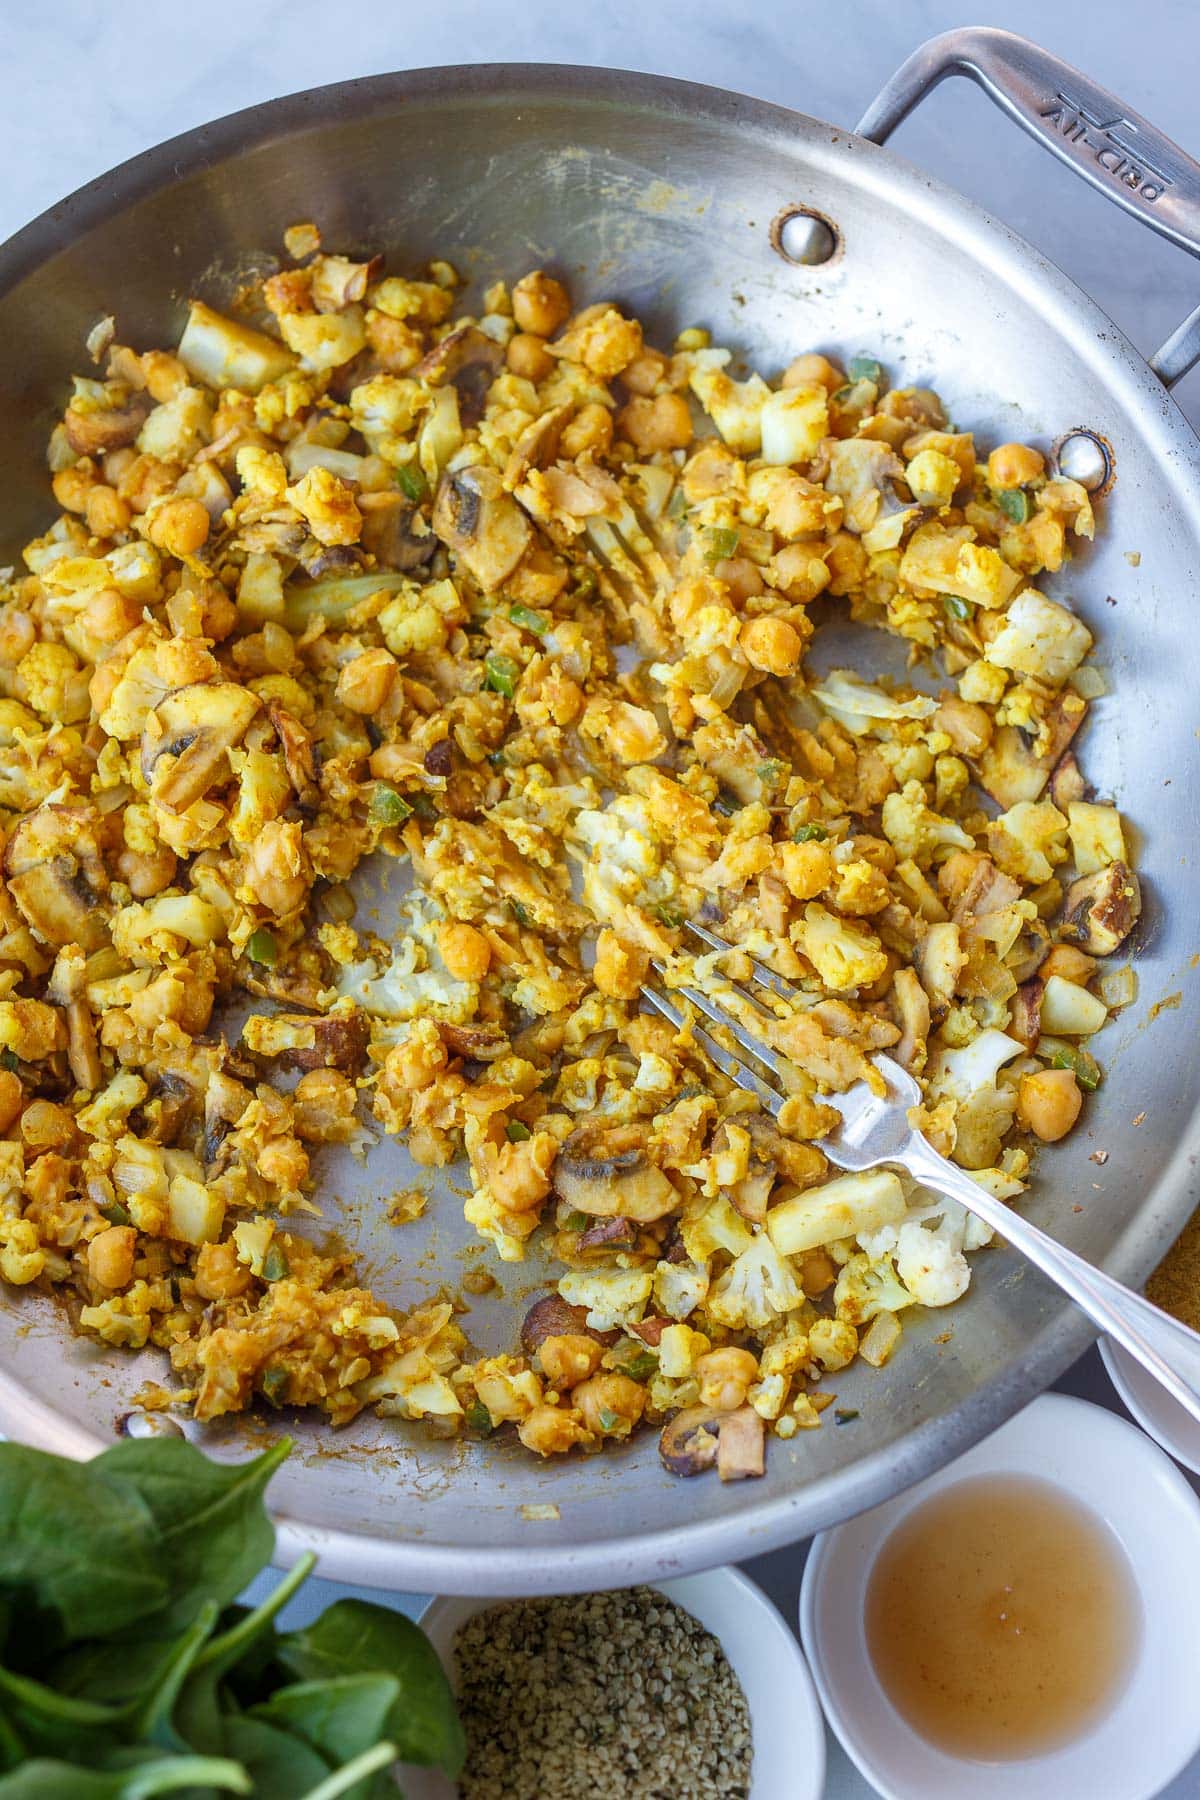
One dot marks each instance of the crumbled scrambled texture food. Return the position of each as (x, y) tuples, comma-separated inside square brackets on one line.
[(506, 595)]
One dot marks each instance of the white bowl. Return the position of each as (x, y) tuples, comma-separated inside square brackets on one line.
[(1152, 1729), (1155, 1410), (785, 1719)]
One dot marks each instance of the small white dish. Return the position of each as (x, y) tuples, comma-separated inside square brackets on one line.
[(1156, 1411), (785, 1719), (1150, 1731)]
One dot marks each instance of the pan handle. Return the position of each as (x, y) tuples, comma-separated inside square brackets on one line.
[(1115, 150)]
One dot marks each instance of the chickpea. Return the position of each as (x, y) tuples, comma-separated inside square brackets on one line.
[(528, 357), (969, 727), (278, 870), (146, 874), (1049, 1103), (283, 1161), (416, 1062), (219, 1274), (569, 1359), (106, 513), (725, 1376), (540, 304), (519, 1174), (801, 575), (12, 1098), (145, 479), (109, 614), (590, 429), (110, 1256), (323, 1106), (664, 423), (18, 635), (1072, 964), (813, 368), (220, 613), (365, 683), (645, 373), (465, 951), (179, 526), (771, 645), (164, 375), (73, 485), (619, 968), (1012, 465), (741, 577), (551, 1430), (613, 1398), (116, 462), (45, 1126)]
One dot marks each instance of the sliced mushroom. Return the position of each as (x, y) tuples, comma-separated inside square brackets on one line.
[(912, 1007), (1101, 910), (470, 361), (650, 1330), (1025, 1013), (338, 282), (225, 1101), (863, 472), (1067, 783), (56, 875), (171, 1107), (552, 1316), (1009, 771), (614, 1233), (987, 891), (537, 445), (603, 1170), (482, 1042), (699, 1436), (317, 559), (800, 1163), (297, 754), (83, 1056), (396, 534), (338, 1041), (109, 428), (1029, 952), (482, 524), (196, 726)]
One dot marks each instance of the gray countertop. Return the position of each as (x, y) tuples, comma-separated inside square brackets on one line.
[(88, 86)]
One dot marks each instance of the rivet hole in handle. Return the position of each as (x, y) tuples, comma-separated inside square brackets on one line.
[(1114, 149)]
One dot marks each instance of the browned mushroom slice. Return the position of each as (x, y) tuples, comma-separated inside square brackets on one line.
[(912, 1006), (196, 726), (1009, 771), (482, 524), (56, 875), (298, 1041), (1101, 910), (537, 445), (396, 534), (470, 361), (297, 754), (603, 1170), (614, 1233), (1025, 1013), (317, 559), (94, 433), (1029, 952), (699, 1436), (483, 1042), (1067, 783), (987, 891), (552, 1316), (83, 1056)]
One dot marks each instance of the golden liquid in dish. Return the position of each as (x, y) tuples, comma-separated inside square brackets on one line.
[(1001, 1618)]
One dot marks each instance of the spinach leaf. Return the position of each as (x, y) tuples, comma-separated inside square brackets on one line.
[(44, 1779), (248, 1637), (358, 1637), (340, 1718), (211, 1529), (78, 1555), (281, 1766)]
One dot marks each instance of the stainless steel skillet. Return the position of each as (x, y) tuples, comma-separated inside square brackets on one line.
[(677, 200)]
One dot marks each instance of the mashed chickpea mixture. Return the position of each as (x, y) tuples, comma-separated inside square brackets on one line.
[(524, 602)]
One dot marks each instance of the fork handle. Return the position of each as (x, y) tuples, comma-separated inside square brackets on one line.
[(1169, 1350)]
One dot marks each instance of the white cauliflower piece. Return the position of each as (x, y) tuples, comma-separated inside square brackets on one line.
[(976, 1065), (719, 1226), (931, 1266), (1028, 840), (1039, 637), (178, 428), (915, 830), (845, 956), (735, 407), (868, 1284), (612, 1297), (944, 559), (678, 1348), (756, 1288), (1097, 838), (679, 1288)]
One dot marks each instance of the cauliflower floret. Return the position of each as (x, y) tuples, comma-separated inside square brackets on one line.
[(868, 1284), (845, 956), (678, 1348), (1039, 637), (384, 410), (915, 830), (930, 1264), (718, 1227), (735, 407), (756, 1288), (833, 1343), (1097, 838), (324, 340), (613, 1297), (679, 1288), (178, 428), (1028, 840), (933, 477), (984, 1107), (944, 559)]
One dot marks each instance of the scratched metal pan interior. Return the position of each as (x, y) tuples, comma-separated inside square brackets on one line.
[(663, 195)]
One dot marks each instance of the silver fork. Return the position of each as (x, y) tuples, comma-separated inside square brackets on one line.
[(875, 1129)]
